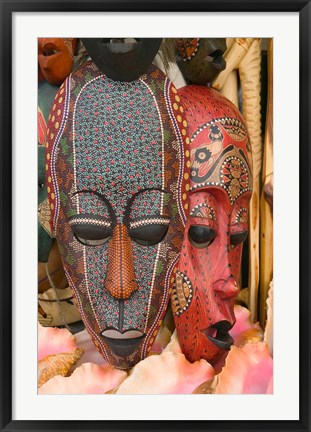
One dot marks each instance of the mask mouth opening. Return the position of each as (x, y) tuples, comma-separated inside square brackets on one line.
[(216, 58), (120, 45), (116, 334), (122, 344), (218, 334)]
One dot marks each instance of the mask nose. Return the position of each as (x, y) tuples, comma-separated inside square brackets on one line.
[(120, 280), (226, 289)]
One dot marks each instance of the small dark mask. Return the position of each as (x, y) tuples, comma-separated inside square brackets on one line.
[(122, 59)]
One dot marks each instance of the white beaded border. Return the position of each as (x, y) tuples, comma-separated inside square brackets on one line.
[(239, 213), (151, 221), (96, 222)]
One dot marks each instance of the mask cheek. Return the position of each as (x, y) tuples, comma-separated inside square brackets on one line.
[(236, 260), (208, 350), (56, 68), (143, 300), (72, 254)]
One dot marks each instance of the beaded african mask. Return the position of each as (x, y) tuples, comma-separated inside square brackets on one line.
[(207, 279), (55, 56), (116, 179), (201, 59)]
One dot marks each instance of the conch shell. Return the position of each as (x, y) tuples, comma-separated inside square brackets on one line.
[(57, 364), (167, 373), (248, 370), (244, 331), (164, 334), (174, 345), (54, 340), (89, 378)]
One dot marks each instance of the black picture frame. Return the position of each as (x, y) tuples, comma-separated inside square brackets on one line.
[(6, 11)]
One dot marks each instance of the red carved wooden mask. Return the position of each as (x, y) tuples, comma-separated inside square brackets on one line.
[(116, 177), (207, 280), (55, 56)]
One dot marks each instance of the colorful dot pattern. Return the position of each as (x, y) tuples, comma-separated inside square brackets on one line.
[(122, 153), (148, 204)]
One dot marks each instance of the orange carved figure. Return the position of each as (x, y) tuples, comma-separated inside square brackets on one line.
[(55, 57)]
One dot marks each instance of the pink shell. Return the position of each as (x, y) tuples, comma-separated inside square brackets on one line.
[(167, 373), (248, 370), (53, 341), (174, 345), (89, 378), (244, 329)]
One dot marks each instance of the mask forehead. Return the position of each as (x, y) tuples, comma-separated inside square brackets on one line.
[(128, 142), (220, 145)]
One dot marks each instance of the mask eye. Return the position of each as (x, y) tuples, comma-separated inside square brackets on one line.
[(201, 236), (49, 49), (149, 235), (237, 238), (90, 235)]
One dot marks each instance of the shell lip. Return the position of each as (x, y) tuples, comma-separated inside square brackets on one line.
[(218, 334)]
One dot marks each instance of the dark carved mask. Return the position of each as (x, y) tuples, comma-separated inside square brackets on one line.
[(117, 175), (122, 59), (207, 280), (201, 60)]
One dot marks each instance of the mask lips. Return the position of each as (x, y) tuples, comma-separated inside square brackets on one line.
[(218, 334), (121, 345)]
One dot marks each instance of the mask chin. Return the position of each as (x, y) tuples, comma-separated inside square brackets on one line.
[(123, 344)]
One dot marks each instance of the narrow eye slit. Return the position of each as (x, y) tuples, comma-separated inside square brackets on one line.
[(49, 49), (149, 235), (87, 242), (237, 238), (90, 235), (201, 236)]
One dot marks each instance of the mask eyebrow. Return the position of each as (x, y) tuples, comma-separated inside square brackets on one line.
[(132, 198), (100, 196), (148, 189)]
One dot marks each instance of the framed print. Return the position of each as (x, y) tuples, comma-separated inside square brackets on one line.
[(185, 171)]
